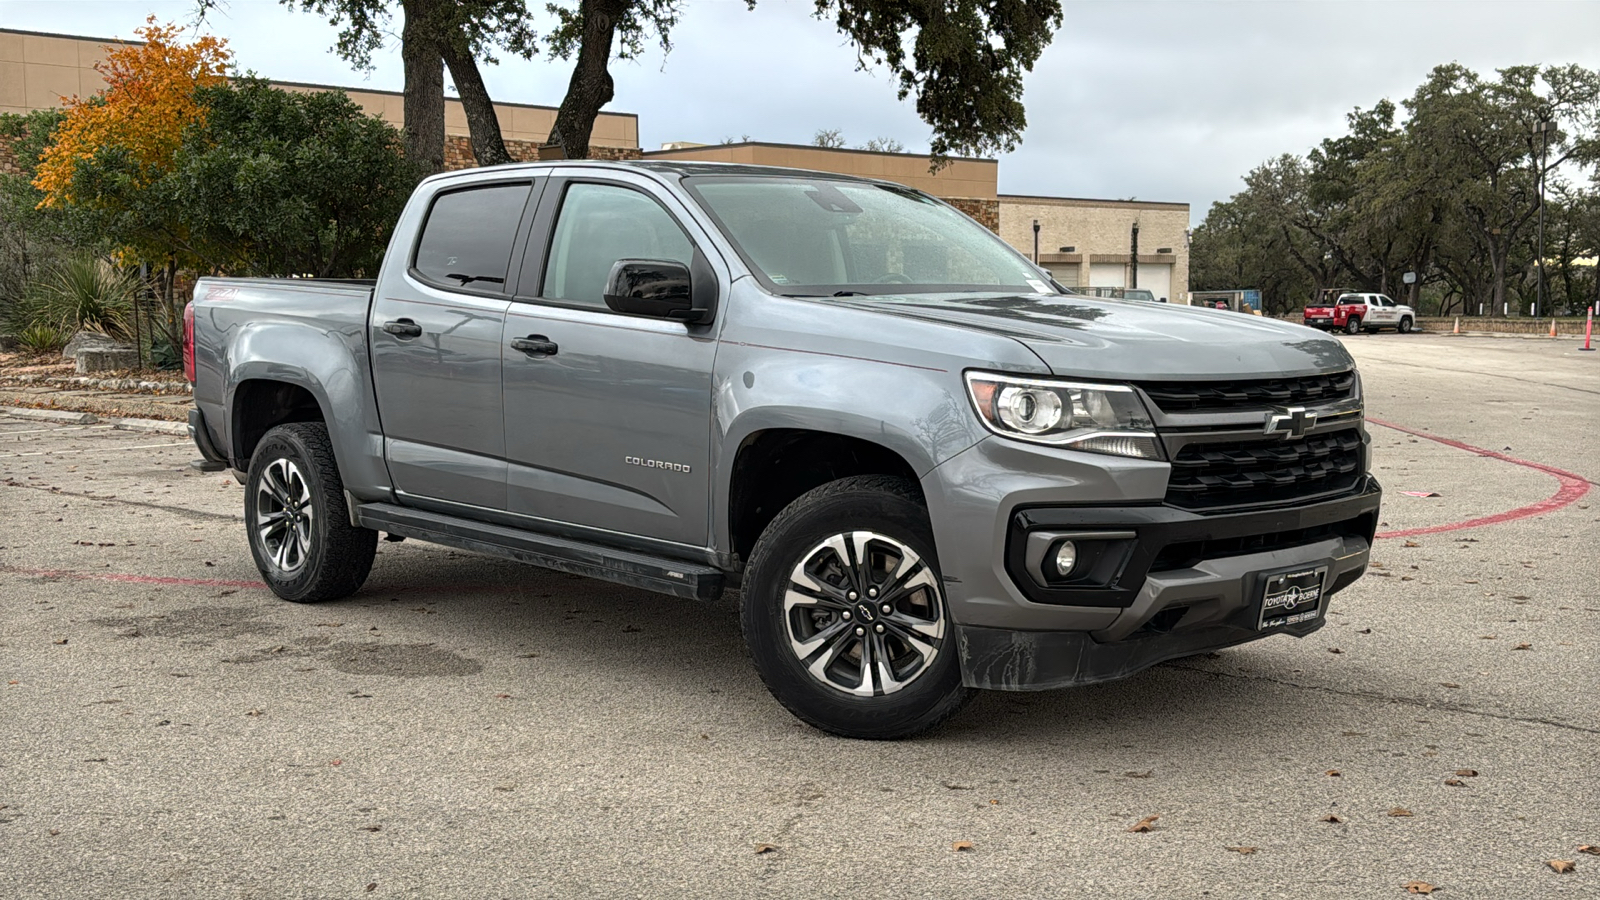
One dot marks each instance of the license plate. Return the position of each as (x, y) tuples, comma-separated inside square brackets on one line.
[(1292, 596)]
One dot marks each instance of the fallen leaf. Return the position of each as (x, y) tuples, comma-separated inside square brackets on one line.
[(766, 848), (1331, 818), (1399, 812), (1467, 773), (1333, 773), (1243, 850), (372, 828), (1419, 887), (959, 846), (62, 641), (1145, 774), (1517, 647), (372, 887), (1449, 684), (1334, 650), (1589, 849), (1561, 866), (1455, 782), (956, 787), (1412, 544), (335, 762), (1364, 631), (1144, 825)]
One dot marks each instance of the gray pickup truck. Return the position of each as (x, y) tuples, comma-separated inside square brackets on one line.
[(928, 468)]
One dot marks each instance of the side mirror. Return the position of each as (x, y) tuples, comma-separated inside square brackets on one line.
[(657, 288)]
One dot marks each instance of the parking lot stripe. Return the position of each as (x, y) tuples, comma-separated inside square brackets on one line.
[(1572, 487)]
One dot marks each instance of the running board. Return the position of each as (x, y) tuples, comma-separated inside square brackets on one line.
[(652, 573)]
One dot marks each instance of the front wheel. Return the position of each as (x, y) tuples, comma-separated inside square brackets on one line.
[(1405, 325), (296, 517), (1352, 325), (845, 616)]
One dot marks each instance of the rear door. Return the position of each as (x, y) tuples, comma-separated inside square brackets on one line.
[(1384, 311), (435, 335), (608, 428)]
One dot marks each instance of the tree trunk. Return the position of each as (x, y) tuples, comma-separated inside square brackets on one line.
[(424, 95), (591, 87), (488, 146)]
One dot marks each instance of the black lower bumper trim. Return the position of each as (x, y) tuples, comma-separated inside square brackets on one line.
[(1191, 536), (1004, 660)]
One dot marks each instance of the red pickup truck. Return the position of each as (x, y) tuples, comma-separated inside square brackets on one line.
[(1354, 313)]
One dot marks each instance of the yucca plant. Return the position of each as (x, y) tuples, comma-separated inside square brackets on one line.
[(41, 339), (81, 293)]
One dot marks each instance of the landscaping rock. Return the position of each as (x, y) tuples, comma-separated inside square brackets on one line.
[(106, 359), (8, 342), (87, 339)]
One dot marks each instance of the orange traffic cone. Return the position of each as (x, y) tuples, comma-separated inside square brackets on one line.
[(1552, 327), (1458, 326)]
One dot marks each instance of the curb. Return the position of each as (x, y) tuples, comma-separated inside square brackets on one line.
[(63, 417)]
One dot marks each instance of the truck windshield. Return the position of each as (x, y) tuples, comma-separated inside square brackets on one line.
[(819, 237)]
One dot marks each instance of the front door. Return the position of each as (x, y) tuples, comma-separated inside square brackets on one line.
[(435, 334), (607, 416)]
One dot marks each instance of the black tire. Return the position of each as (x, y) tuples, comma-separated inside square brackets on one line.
[(1405, 325), (308, 551), (1352, 325), (888, 517)]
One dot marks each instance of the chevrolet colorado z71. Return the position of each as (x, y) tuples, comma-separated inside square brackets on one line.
[(928, 468)]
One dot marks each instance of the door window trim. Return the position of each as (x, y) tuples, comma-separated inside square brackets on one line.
[(519, 237)]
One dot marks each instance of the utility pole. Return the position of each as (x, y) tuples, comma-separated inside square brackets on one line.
[(1544, 127), (1133, 258)]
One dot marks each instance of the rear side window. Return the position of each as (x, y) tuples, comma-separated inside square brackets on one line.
[(466, 240)]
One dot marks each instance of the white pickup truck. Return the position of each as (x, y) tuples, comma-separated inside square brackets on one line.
[(1354, 313)]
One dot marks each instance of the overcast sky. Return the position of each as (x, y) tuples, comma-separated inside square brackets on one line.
[(1150, 100)]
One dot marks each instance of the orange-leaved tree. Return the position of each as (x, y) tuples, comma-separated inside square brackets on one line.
[(148, 101)]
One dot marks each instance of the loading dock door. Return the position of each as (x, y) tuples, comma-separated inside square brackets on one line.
[(1065, 273), (1157, 279), (1108, 275)]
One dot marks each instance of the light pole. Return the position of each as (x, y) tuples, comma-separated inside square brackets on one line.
[(1036, 242), (1543, 128)]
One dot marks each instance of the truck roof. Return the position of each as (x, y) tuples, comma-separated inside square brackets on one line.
[(674, 167)]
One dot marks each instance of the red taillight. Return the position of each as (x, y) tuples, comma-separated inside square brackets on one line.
[(188, 341)]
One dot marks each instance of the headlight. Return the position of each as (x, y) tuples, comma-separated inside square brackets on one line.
[(1098, 418)]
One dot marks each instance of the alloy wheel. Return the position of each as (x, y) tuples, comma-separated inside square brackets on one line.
[(284, 515), (863, 614)]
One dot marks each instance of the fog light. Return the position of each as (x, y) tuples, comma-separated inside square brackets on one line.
[(1066, 558)]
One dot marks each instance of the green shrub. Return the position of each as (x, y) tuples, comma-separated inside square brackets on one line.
[(80, 293), (41, 339)]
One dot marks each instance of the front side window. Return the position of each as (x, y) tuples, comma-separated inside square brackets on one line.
[(466, 240), (820, 237), (598, 225)]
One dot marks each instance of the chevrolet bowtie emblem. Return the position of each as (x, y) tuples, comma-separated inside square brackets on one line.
[(1293, 422)]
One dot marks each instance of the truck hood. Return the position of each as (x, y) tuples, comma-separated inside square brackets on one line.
[(1091, 337)]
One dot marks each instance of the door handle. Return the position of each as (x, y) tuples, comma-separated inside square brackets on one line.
[(535, 345), (403, 328)]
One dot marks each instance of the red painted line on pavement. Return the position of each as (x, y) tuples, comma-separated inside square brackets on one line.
[(133, 579), (1572, 487)]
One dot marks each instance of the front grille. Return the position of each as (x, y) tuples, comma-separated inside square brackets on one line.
[(1209, 396), (1262, 471)]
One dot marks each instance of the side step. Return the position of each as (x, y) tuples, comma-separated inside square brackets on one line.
[(653, 573)]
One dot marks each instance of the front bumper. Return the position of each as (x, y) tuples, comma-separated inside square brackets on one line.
[(1188, 582)]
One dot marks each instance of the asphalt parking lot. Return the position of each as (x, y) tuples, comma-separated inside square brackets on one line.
[(470, 728)]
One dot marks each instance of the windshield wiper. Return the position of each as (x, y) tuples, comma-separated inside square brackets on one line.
[(851, 294)]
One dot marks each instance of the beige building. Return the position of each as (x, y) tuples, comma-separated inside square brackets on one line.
[(1089, 243), (1085, 243), (37, 71)]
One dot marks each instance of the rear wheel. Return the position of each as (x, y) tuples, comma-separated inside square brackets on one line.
[(1352, 325), (845, 616), (296, 517), (1405, 325)]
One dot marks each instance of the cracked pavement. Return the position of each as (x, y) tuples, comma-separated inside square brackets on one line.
[(466, 727)]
